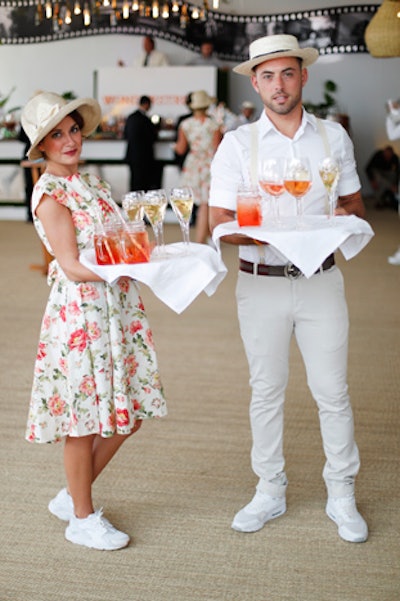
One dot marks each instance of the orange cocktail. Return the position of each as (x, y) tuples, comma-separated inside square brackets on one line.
[(248, 209)]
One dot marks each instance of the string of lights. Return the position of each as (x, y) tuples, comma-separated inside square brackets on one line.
[(63, 12)]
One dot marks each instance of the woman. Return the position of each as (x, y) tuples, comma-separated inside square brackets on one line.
[(96, 376), (199, 136)]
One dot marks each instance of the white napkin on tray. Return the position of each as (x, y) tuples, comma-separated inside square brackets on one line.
[(307, 248), (176, 280)]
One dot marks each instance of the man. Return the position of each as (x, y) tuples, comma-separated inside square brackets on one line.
[(271, 308), (206, 57), (141, 135), (383, 171), (150, 56), (393, 132), (247, 114)]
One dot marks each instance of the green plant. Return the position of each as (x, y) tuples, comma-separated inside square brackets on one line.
[(321, 109)]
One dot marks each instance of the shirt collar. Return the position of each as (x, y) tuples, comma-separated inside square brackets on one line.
[(266, 125)]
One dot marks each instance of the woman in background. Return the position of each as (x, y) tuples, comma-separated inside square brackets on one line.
[(199, 136)]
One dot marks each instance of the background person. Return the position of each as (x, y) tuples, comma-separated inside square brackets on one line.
[(393, 132), (96, 376), (206, 58), (141, 135), (383, 171), (151, 57), (198, 138), (272, 307)]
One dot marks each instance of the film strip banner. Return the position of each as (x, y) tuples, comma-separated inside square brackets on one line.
[(336, 30)]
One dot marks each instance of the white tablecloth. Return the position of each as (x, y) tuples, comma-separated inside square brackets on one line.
[(176, 280), (307, 248)]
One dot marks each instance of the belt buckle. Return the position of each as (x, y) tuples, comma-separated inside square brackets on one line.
[(291, 271)]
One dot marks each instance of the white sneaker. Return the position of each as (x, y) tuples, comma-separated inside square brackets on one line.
[(395, 259), (95, 532), (261, 509), (62, 505), (351, 525)]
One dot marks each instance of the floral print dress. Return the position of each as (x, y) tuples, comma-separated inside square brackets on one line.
[(196, 167), (96, 369)]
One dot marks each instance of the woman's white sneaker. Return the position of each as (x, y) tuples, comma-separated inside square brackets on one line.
[(351, 525), (62, 505), (95, 532), (261, 509)]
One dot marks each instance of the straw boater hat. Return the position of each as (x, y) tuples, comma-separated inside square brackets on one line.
[(200, 100), (275, 46), (46, 110)]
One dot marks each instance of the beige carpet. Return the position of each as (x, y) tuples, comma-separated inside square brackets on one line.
[(176, 485)]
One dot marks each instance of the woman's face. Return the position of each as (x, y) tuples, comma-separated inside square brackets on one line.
[(63, 145)]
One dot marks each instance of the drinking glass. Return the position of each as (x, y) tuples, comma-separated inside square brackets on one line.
[(132, 203), (329, 170), (181, 200), (297, 180), (248, 206), (271, 182), (155, 204)]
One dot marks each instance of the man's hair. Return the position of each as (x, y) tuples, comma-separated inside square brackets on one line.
[(145, 100)]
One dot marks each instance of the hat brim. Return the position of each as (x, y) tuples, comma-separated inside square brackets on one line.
[(307, 55), (88, 108), (197, 107)]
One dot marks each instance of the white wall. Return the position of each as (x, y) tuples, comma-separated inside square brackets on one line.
[(365, 83)]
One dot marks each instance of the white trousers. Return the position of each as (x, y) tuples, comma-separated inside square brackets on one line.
[(270, 310)]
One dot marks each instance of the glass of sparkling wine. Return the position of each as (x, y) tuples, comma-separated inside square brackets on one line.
[(155, 204), (271, 182), (132, 203), (181, 200), (329, 170), (297, 181)]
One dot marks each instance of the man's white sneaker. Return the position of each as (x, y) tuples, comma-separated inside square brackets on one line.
[(95, 532), (261, 509), (351, 525), (62, 505), (395, 259)]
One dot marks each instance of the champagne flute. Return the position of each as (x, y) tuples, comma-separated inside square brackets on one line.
[(271, 181), (132, 203), (297, 181), (182, 204), (155, 204), (329, 170)]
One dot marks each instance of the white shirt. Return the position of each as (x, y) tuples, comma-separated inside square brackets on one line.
[(231, 167), (393, 127), (156, 59)]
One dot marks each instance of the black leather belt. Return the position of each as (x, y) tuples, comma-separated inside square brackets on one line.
[(288, 271)]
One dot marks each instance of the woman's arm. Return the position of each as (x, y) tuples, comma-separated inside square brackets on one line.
[(60, 231), (181, 146)]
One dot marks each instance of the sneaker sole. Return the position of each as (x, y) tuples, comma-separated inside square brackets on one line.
[(273, 516), (78, 540)]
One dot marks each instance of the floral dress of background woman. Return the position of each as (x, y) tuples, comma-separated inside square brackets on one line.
[(200, 134), (96, 369)]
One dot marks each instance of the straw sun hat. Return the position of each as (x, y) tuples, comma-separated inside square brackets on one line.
[(275, 46), (200, 100), (46, 110)]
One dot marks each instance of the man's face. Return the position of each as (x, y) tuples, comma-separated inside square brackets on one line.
[(207, 49), (279, 82), (148, 45)]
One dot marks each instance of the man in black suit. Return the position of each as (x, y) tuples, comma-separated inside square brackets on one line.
[(141, 135)]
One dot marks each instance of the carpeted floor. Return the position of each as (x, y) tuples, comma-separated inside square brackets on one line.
[(176, 485)]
